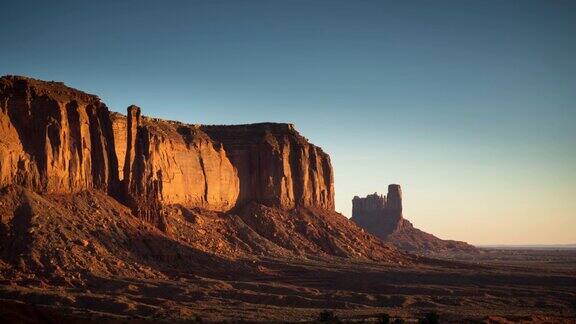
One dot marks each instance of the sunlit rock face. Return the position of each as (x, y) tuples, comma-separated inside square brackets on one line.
[(54, 139), (120, 130), (277, 166), (173, 163)]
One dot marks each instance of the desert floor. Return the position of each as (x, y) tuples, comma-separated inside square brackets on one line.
[(497, 285)]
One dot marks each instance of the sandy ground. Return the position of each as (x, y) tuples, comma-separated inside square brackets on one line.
[(296, 290)]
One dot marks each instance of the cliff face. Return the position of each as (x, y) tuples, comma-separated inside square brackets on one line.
[(59, 140), (54, 139), (277, 166), (172, 163), (120, 131), (382, 216)]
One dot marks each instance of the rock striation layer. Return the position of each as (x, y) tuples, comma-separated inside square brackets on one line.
[(382, 216)]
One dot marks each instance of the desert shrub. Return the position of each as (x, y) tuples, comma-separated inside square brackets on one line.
[(327, 316), (430, 318), (384, 319)]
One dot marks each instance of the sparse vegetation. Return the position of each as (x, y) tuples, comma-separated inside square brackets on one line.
[(384, 319), (430, 318), (328, 316)]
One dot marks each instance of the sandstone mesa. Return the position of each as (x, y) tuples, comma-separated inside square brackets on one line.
[(61, 140)]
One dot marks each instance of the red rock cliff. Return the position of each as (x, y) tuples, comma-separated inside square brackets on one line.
[(173, 163), (276, 165), (54, 138), (58, 139)]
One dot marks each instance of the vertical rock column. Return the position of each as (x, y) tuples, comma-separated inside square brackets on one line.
[(133, 121), (142, 194), (394, 198)]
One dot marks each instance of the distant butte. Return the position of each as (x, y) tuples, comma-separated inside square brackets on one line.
[(382, 216)]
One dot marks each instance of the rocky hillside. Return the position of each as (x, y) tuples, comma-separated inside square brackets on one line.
[(382, 216), (230, 190)]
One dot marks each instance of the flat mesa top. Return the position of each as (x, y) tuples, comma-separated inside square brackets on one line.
[(55, 90)]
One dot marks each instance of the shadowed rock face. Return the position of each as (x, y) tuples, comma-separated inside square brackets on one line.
[(382, 216), (277, 166), (54, 139), (59, 140)]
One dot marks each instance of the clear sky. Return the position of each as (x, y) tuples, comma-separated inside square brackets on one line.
[(470, 105)]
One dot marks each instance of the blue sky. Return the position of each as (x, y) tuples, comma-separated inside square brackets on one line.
[(470, 105)]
